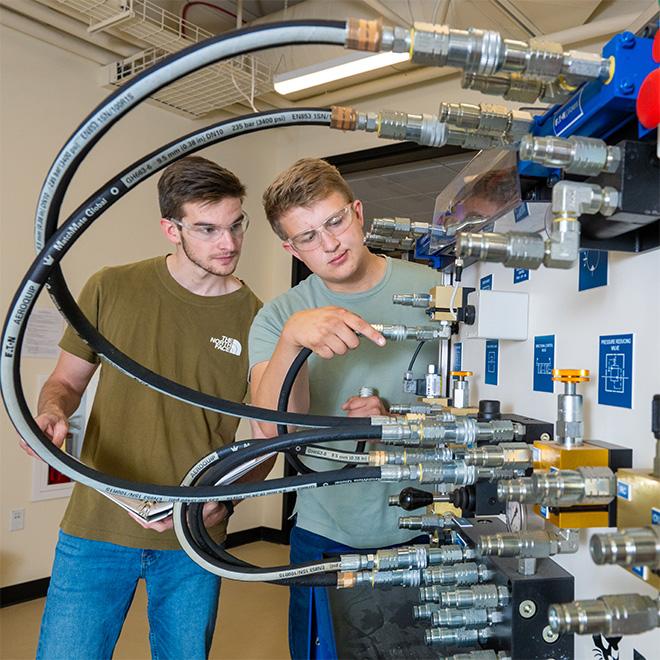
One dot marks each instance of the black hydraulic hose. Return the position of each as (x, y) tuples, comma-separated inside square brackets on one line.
[(222, 462), (287, 385), (59, 244), (59, 178), (238, 567), (300, 439), (283, 406), (168, 70), (292, 456), (191, 517)]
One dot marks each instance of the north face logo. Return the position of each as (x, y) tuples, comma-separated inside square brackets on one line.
[(227, 344)]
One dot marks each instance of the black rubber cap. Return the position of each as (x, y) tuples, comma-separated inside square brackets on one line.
[(488, 409), (413, 498), (655, 416)]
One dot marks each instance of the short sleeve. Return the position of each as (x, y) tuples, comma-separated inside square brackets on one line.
[(89, 303), (264, 334)]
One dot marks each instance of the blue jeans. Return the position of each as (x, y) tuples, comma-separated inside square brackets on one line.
[(92, 586), (311, 634)]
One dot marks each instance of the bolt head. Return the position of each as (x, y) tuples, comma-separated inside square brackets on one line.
[(549, 636), (527, 609), (627, 40), (626, 87), (545, 437)]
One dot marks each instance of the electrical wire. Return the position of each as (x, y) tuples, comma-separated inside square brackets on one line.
[(415, 354)]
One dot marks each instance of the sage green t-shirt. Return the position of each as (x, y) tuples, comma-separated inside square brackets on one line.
[(133, 431), (356, 515)]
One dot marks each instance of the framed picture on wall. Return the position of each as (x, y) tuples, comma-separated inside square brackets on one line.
[(47, 482)]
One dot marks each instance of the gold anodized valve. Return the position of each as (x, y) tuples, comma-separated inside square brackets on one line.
[(571, 375)]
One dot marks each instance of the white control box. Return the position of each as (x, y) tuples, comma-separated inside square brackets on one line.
[(499, 315)]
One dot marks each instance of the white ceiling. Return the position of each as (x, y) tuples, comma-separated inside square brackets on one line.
[(515, 19)]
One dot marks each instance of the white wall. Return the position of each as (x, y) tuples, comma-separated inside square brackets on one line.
[(629, 303)]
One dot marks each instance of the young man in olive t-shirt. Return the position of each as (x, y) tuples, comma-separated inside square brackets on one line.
[(186, 317)]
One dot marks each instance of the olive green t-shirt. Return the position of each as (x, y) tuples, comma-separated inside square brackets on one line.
[(139, 434)]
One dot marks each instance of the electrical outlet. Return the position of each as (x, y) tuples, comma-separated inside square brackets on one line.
[(16, 520)]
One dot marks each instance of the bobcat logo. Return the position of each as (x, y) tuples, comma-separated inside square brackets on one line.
[(227, 344), (606, 648)]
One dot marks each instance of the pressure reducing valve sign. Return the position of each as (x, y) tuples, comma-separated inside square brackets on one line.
[(615, 370)]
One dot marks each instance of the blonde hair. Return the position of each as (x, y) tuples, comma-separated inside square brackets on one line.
[(306, 182)]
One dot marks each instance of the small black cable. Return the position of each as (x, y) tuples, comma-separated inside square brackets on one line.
[(415, 354)]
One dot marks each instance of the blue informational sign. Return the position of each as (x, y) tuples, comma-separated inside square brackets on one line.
[(486, 283), (458, 356), (544, 363), (593, 269), (615, 370), (623, 490), (521, 212), (520, 275), (492, 361), (655, 516)]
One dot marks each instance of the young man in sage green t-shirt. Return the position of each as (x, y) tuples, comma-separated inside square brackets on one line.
[(312, 210), (184, 316)]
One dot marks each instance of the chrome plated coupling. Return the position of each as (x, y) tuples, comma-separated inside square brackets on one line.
[(447, 637), (457, 575), (481, 596), (628, 547), (451, 618), (426, 523), (506, 454), (620, 614), (450, 554), (575, 155), (535, 544), (592, 486), (416, 333)]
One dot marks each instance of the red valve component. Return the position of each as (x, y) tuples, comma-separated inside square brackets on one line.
[(656, 47), (648, 98)]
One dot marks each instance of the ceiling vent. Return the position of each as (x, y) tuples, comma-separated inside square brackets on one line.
[(238, 80)]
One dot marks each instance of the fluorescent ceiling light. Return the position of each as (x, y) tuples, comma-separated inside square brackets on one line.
[(325, 72)]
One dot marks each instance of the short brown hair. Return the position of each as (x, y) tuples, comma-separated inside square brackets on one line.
[(195, 179), (306, 182)]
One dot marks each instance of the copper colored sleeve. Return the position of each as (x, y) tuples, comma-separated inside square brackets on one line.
[(343, 118), (364, 34)]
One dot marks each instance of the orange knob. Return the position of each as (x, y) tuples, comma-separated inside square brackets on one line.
[(462, 374), (570, 375)]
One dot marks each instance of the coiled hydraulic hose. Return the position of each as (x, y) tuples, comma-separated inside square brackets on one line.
[(50, 199), (56, 248), (217, 468)]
